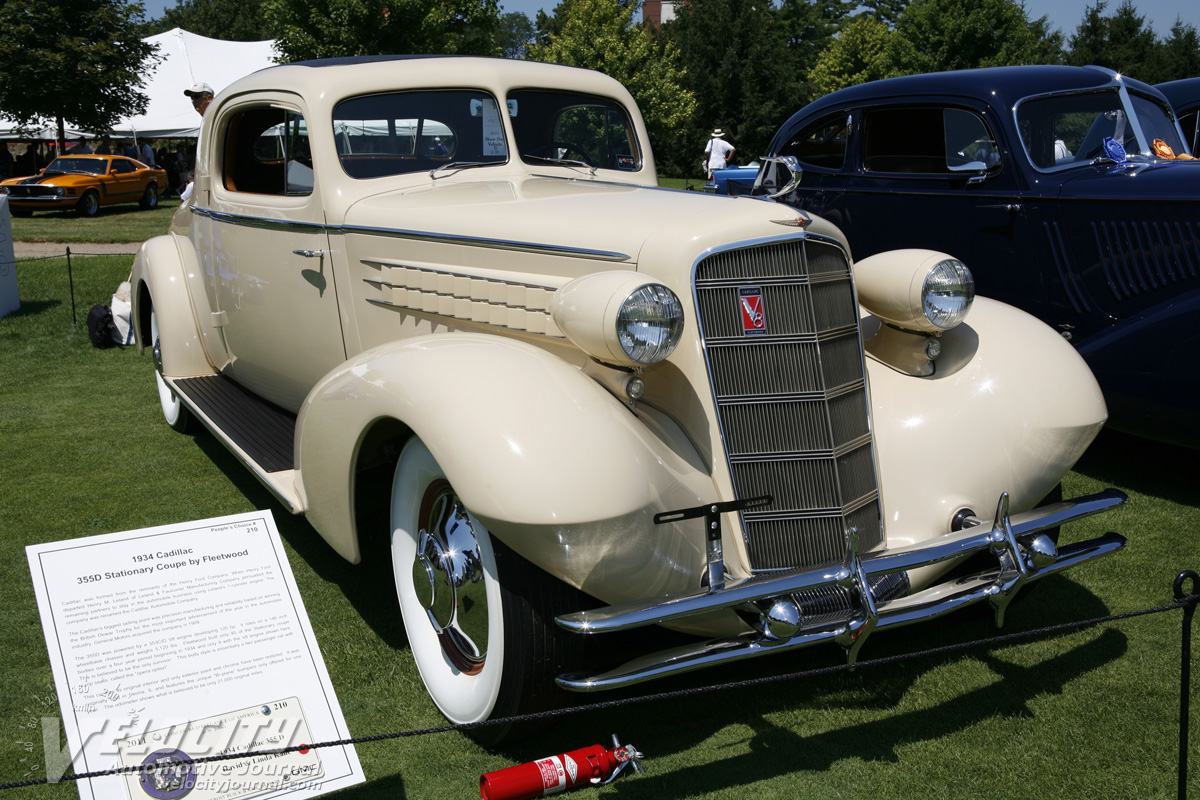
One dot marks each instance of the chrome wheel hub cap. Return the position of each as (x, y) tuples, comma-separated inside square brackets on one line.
[(448, 578)]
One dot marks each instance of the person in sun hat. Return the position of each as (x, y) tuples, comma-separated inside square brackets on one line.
[(202, 95), (717, 152)]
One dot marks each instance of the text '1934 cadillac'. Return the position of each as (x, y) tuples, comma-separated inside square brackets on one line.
[(602, 404)]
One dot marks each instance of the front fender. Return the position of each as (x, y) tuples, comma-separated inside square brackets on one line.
[(535, 448), (1010, 408), (161, 277)]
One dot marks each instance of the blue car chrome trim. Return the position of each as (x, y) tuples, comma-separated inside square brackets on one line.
[(424, 236)]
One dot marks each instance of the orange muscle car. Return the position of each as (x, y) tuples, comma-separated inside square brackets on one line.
[(85, 182)]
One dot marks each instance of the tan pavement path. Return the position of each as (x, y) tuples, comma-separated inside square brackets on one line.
[(40, 249)]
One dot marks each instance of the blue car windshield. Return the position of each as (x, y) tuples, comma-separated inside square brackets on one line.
[(1066, 130)]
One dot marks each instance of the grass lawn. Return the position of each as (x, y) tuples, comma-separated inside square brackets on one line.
[(1085, 714), (124, 223)]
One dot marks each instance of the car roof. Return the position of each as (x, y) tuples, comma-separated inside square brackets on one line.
[(1003, 87), (334, 78), (1182, 93)]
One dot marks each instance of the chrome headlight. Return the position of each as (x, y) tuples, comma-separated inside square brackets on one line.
[(916, 290), (650, 323), (620, 318), (947, 294)]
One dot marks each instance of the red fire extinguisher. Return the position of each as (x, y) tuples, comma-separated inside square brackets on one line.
[(595, 765)]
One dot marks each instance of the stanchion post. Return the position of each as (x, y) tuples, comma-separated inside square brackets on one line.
[(71, 281), (1185, 669)]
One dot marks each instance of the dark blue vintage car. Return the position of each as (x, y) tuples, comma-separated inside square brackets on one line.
[(1185, 99), (1043, 180)]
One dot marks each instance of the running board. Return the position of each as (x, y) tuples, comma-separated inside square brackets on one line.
[(259, 434)]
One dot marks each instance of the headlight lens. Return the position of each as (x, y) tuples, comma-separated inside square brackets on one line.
[(650, 323), (947, 294)]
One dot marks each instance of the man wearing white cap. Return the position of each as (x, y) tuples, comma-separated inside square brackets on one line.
[(202, 95), (717, 152)]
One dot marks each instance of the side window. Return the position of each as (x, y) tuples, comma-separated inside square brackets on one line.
[(120, 166), (1190, 124), (926, 140), (968, 140), (402, 132), (572, 129), (266, 152), (821, 143)]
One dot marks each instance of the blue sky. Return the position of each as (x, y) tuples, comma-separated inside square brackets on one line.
[(1064, 14)]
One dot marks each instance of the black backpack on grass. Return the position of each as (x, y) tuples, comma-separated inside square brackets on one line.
[(101, 329)]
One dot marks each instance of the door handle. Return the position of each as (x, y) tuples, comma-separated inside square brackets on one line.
[(310, 253), (1013, 207)]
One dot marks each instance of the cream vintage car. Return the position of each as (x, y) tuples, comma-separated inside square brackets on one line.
[(603, 404)]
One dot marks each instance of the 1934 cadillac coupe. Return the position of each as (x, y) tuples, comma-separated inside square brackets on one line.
[(692, 408)]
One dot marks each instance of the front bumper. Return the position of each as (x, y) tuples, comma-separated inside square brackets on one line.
[(1023, 553)]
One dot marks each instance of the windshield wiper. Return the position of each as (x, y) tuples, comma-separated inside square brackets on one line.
[(564, 162), (459, 165)]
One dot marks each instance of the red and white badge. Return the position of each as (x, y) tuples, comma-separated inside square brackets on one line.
[(754, 313)]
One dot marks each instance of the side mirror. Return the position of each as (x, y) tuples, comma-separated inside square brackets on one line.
[(791, 163)]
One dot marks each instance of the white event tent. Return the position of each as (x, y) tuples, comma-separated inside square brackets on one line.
[(184, 59)]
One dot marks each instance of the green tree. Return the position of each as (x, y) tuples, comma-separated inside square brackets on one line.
[(600, 35), (810, 27), (514, 34), (886, 11), (939, 35), (1177, 57), (857, 55), (1124, 42), (306, 29), (740, 69), (79, 62), (230, 20)]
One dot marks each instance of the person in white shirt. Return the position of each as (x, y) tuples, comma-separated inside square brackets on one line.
[(717, 152)]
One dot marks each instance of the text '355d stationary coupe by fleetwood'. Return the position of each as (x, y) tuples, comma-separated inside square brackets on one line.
[(600, 405)]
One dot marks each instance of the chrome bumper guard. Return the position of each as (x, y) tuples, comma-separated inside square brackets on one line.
[(1023, 552)]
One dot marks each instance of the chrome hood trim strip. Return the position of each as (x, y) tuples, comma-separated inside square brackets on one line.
[(423, 236)]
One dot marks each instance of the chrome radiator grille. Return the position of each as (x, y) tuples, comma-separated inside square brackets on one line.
[(791, 398)]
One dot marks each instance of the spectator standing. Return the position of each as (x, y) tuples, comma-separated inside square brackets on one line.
[(81, 147), (717, 152), (201, 95), (147, 154)]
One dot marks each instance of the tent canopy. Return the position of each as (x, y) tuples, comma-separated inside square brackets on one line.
[(185, 59)]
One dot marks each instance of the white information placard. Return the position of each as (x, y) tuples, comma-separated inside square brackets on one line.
[(186, 641)]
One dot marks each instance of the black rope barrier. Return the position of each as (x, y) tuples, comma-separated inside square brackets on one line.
[(70, 281), (1186, 602)]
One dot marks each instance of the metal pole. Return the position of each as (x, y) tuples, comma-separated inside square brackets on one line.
[(1185, 670), (71, 280)]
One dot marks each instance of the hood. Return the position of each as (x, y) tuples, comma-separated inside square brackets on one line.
[(1173, 181), (602, 217)]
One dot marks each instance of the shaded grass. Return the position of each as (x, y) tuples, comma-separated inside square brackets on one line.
[(1085, 714), (123, 223)]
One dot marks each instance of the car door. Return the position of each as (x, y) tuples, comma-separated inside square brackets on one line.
[(268, 252), (923, 174), (123, 184)]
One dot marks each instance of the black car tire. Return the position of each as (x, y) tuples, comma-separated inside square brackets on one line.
[(150, 197), (89, 204)]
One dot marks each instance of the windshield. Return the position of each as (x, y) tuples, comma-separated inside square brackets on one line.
[(573, 129), (418, 131), (95, 166), (1065, 130)]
